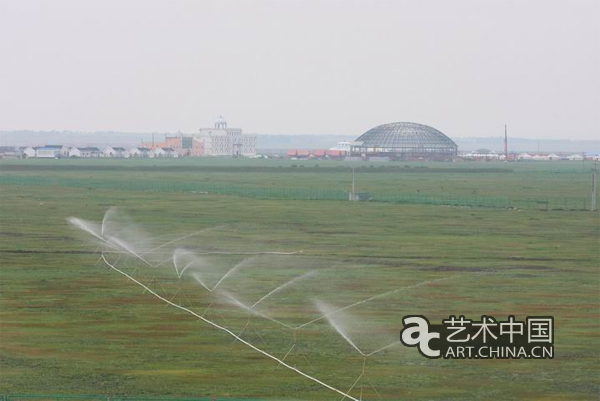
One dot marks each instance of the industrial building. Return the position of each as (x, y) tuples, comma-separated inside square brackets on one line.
[(403, 141)]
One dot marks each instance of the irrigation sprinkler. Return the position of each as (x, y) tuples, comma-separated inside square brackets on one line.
[(192, 265), (197, 276), (336, 324), (226, 330), (128, 248), (236, 302), (385, 294), (89, 228), (284, 285)]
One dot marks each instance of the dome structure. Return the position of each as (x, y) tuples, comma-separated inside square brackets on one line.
[(220, 122), (405, 140)]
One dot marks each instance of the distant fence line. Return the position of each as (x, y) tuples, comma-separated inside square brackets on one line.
[(58, 397), (300, 193)]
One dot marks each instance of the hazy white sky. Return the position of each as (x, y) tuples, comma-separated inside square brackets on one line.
[(302, 67)]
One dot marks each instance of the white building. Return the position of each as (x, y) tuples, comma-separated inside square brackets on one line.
[(48, 151), (156, 152), (108, 152), (28, 152), (90, 151), (121, 152), (134, 152), (73, 152), (484, 154), (223, 141), (344, 145), (524, 156)]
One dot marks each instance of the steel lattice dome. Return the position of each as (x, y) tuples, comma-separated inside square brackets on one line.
[(408, 137)]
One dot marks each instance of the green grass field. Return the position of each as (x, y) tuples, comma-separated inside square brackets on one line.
[(69, 325)]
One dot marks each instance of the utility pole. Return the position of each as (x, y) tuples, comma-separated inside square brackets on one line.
[(352, 196), (594, 186), (505, 144)]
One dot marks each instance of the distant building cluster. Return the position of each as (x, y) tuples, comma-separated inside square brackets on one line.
[(491, 155), (217, 141), (399, 141), (554, 156), (63, 151)]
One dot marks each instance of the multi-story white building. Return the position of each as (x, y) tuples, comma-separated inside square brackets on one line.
[(223, 141)]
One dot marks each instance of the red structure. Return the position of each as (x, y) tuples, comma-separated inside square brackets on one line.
[(316, 154)]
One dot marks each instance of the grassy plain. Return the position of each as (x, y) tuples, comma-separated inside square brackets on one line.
[(71, 326), (536, 180)]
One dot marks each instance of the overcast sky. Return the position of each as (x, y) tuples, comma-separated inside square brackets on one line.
[(302, 67)]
